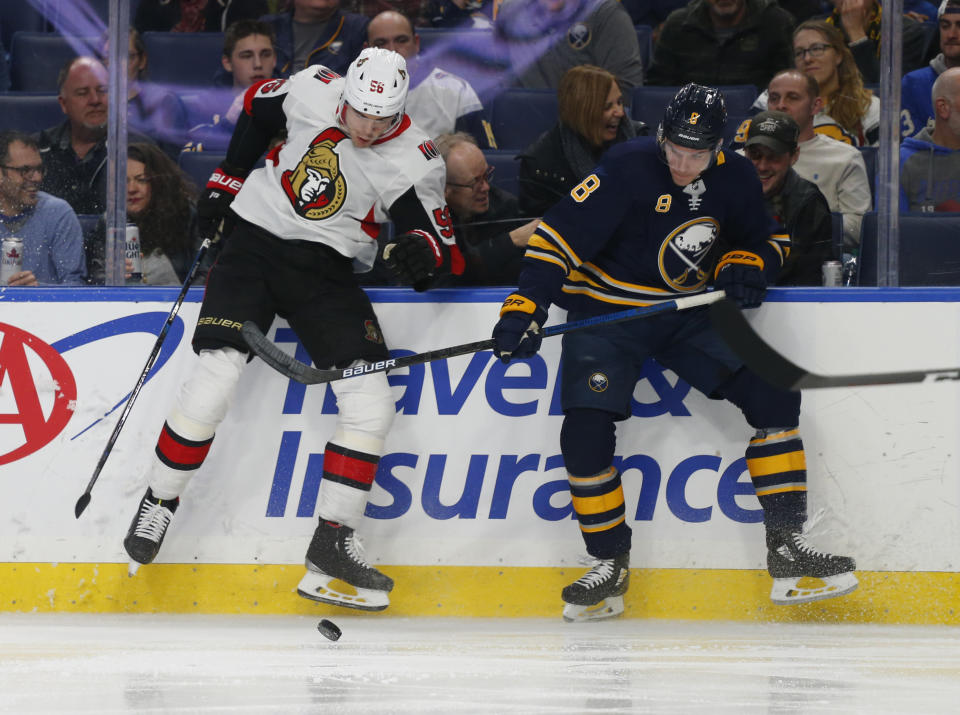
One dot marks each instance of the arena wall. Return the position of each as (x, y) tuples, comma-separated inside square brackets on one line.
[(470, 512)]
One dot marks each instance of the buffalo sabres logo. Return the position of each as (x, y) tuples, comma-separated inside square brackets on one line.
[(315, 187), (684, 249), (598, 382), (578, 36)]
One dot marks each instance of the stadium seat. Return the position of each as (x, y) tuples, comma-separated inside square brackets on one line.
[(836, 233), (36, 59), (929, 252), (645, 38), (519, 116), (648, 102), (19, 16), (88, 222), (506, 175), (869, 154), (29, 112), (183, 58), (198, 165)]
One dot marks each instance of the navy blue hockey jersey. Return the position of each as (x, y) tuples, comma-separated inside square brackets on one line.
[(627, 235)]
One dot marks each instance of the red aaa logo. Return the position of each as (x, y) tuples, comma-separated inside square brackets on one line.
[(38, 428)]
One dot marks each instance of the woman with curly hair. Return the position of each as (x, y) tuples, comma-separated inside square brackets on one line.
[(160, 202), (851, 113)]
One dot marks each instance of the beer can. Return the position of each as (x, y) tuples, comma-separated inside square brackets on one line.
[(832, 273), (133, 254), (12, 260)]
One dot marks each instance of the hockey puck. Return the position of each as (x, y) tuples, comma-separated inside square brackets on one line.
[(329, 629)]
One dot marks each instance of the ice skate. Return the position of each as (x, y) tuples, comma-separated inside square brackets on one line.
[(338, 574), (790, 558), (148, 528), (598, 594)]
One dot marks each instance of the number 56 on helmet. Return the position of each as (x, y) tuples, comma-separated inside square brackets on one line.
[(376, 84)]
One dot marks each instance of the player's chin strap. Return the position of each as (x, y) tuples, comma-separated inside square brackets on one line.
[(292, 368)]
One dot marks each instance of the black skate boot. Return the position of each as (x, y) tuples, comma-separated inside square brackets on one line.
[(598, 594), (335, 557), (148, 528), (791, 557)]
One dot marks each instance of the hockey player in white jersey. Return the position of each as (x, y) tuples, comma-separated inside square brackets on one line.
[(351, 159)]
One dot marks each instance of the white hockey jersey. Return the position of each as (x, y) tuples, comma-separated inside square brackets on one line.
[(317, 186)]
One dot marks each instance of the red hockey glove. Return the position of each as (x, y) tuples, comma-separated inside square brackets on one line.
[(223, 186), (416, 257), (517, 334), (740, 275)]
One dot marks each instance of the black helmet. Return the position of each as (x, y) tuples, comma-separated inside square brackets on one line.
[(695, 118)]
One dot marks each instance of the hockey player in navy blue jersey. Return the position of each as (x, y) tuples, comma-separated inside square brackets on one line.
[(644, 227)]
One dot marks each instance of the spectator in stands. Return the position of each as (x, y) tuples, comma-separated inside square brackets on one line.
[(195, 15), (317, 32), (491, 244), (859, 24), (916, 108), (438, 102), (161, 203), (794, 202), (591, 119), (52, 239), (148, 105), (718, 42), (851, 112), (249, 56), (835, 167), (930, 161), (545, 38), (472, 14), (75, 152)]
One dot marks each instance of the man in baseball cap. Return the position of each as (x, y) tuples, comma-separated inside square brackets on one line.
[(795, 202)]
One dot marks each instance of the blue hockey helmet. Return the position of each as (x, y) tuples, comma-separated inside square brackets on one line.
[(695, 118)]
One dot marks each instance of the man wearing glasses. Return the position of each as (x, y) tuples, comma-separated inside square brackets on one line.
[(492, 244), (52, 239)]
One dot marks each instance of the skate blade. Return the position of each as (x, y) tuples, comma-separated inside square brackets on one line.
[(607, 608), (326, 589), (787, 592)]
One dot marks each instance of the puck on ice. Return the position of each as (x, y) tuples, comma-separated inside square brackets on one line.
[(329, 629)]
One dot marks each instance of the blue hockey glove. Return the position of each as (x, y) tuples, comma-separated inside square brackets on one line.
[(517, 334), (740, 275)]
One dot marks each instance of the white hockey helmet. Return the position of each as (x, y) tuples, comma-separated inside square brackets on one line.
[(377, 83)]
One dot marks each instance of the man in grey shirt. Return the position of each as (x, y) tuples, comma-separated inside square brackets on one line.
[(545, 38), (930, 161)]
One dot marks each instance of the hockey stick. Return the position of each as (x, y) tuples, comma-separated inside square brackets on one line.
[(292, 368), (84, 499), (773, 367)]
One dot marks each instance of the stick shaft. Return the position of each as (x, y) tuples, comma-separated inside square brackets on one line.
[(292, 368), (84, 499)]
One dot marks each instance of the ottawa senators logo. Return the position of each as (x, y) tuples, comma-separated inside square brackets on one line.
[(372, 331), (315, 187)]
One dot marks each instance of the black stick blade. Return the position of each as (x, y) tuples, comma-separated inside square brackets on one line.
[(766, 362), (82, 503)]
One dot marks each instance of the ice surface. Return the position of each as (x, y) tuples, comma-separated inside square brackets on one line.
[(59, 663)]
